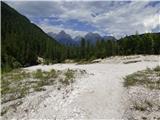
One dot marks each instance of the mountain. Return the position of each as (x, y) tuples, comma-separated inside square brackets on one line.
[(66, 39), (92, 37), (22, 41), (78, 38), (109, 38), (63, 38)]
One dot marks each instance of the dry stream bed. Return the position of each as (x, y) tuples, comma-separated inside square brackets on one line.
[(126, 87)]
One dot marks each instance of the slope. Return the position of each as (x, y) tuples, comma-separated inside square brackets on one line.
[(23, 41)]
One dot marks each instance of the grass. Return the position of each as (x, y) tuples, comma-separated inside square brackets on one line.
[(11, 82), (143, 106), (38, 74), (69, 77), (149, 78), (19, 83), (144, 102), (157, 69)]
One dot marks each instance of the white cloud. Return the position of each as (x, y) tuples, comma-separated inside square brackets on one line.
[(117, 18)]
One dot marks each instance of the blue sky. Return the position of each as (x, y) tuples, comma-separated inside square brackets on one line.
[(117, 18)]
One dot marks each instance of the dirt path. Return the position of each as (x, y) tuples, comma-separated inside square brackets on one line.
[(101, 95)]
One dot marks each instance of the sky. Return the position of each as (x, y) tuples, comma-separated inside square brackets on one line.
[(116, 18)]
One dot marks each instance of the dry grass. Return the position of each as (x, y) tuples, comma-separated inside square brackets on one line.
[(19, 83), (149, 78)]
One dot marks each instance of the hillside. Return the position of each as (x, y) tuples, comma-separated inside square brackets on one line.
[(23, 41)]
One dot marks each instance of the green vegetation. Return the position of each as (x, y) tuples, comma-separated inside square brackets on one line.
[(143, 107), (38, 74), (157, 69), (149, 78), (144, 93), (19, 83), (69, 76), (23, 42)]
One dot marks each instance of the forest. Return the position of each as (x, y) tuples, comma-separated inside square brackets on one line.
[(23, 42)]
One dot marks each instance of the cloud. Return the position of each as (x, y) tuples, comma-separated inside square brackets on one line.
[(118, 18)]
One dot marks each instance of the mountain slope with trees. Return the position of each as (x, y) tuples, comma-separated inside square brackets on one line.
[(22, 41)]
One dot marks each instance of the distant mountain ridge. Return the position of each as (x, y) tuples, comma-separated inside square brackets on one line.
[(62, 38), (66, 39)]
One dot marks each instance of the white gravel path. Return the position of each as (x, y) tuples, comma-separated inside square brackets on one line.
[(101, 95)]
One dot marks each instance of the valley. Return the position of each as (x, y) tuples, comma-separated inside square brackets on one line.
[(79, 60)]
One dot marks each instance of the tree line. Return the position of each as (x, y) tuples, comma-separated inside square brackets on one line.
[(145, 44)]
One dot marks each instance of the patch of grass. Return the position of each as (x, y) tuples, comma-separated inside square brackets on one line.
[(4, 111), (18, 83), (143, 106), (133, 79), (148, 78), (157, 69), (130, 80), (140, 107), (53, 74), (37, 88), (10, 82), (69, 76), (14, 105), (38, 74), (14, 92)]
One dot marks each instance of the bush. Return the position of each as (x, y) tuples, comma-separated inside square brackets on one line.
[(69, 74), (130, 80), (38, 74), (157, 68)]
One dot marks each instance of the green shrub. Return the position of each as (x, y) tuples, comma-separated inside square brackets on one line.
[(129, 81), (53, 74), (157, 68), (69, 75), (38, 74)]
